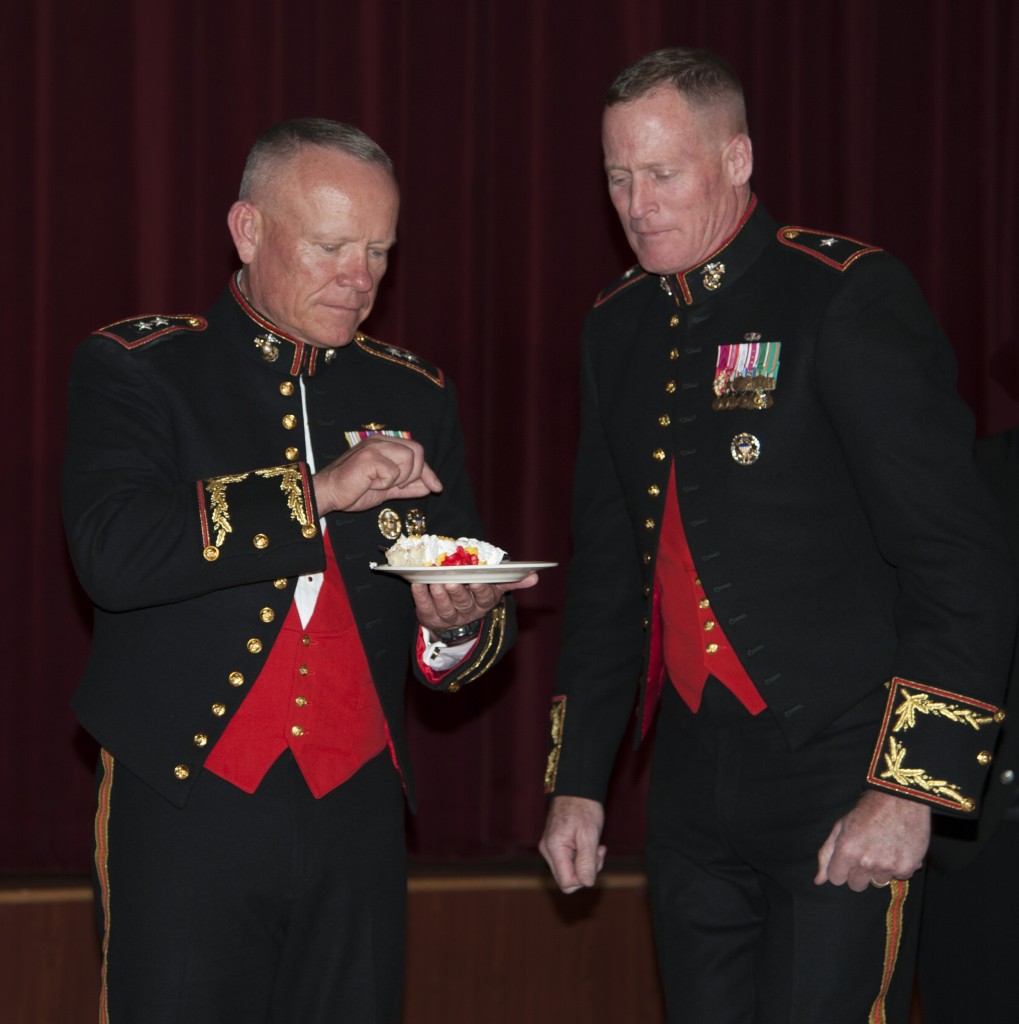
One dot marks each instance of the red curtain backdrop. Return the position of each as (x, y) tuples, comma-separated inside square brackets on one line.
[(127, 126)]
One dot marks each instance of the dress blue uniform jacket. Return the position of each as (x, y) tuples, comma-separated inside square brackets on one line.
[(838, 525), (189, 516)]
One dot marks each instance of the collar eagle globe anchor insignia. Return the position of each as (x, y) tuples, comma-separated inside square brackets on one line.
[(711, 275), (745, 449), (268, 346)]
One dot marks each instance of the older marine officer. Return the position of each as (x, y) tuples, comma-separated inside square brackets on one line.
[(229, 478)]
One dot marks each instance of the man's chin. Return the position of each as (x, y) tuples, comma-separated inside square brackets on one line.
[(337, 333), (655, 261)]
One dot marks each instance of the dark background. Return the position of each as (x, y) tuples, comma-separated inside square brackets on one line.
[(127, 125)]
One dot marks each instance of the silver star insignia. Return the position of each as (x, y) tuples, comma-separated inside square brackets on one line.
[(143, 325), (159, 321), (828, 242)]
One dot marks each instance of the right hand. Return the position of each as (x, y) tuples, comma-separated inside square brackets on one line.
[(570, 841), (376, 470)]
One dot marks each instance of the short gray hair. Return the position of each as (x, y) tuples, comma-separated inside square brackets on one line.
[(286, 139), (699, 76)]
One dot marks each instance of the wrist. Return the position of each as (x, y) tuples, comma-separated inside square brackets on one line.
[(457, 634)]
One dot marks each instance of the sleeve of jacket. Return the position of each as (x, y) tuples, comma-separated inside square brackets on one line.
[(453, 513), (139, 534), (886, 375), (598, 667)]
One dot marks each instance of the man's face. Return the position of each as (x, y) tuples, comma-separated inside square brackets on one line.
[(315, 243), (677, 178)]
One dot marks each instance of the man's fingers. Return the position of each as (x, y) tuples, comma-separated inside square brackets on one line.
[(563, 866), (824, 856), (374, 470), (588, 864)]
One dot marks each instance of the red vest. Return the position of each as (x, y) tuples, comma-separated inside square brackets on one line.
[(693, 643), (314, 695)]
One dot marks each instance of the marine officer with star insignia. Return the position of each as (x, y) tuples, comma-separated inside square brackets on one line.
[(784, 558), (228, 480)]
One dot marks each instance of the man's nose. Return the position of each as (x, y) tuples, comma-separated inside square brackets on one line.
[(353, 272), (641, 199)]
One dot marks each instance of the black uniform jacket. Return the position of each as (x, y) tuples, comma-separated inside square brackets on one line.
[(838, 524), (189, 515), (956, 842)]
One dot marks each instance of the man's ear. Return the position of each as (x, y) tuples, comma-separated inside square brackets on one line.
[(738, 158), (245, 225)]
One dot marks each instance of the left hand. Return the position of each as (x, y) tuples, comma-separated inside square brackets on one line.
[(881, 838), (447, 605)]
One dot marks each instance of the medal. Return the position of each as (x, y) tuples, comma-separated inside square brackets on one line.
[(746, 374), (745, 449)]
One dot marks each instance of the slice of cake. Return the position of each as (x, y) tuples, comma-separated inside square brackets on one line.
[(432, 550)]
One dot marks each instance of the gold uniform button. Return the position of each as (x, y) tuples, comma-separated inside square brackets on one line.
[(280, 584), (181, 771), (673, 354), (297, 730), (254, 645), (211, 553), (260, 540), (654, 490), (301, 701), (646, 558), (985, 757), (452, 688), (649, 524), (670, 387), (697, 582), (219, 710), (999, 717), (309, 531), (645, 623), (711, 649), (647, 591), (674, 322), (236, 678), (658, 455), (267, 615), (306, 640), (201, 739), (302, 670), (703, 603), (291, 454), (709, 626), (289, 421), (969, 804), (664, 420), (286, 388)]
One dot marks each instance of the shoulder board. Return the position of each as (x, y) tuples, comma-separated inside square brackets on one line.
[(143, 330), (401, 357), (631, 277), (836, 251)]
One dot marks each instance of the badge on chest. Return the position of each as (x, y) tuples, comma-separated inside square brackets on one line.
[(746, 374)]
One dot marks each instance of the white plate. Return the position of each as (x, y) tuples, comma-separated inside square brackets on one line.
[(505, 572)]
